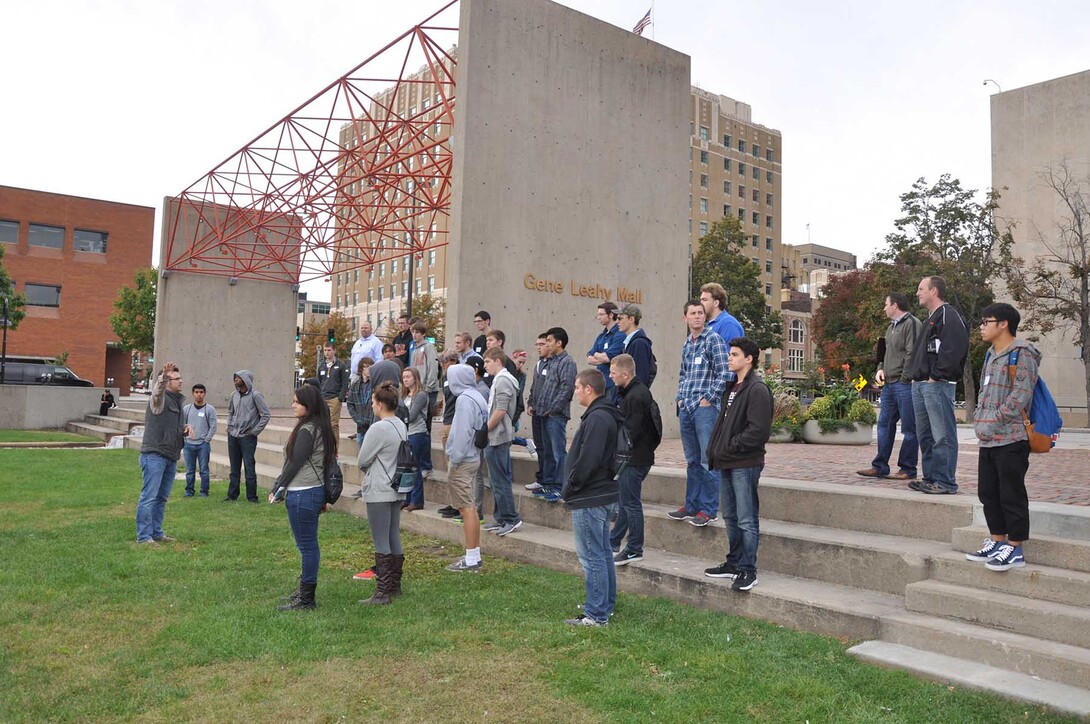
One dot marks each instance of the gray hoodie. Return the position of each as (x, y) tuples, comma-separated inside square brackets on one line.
[(470, 414), (503, 396), (247, 414)]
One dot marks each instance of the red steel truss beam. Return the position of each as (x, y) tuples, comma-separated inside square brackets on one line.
[(360, 170)]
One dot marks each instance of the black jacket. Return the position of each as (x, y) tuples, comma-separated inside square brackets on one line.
[(333, 378), (941, 348), (588, 475), (744, 425), (635, 403)]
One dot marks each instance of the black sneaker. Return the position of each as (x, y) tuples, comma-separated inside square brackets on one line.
[(680, 514), (723, 570), (448, 512), (745, 580), (625, 557)]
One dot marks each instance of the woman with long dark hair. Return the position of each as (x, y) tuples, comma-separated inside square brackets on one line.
[(378, 461), (311, 448), (416, 400)]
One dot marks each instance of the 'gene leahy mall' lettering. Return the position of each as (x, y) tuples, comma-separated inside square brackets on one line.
[(593, 291)]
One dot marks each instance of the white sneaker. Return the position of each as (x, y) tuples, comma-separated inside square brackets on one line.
[(534, 486), (531, 447)]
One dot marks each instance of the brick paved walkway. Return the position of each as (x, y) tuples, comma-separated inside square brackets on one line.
[(1061, 476)]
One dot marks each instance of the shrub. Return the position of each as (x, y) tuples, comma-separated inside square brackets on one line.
[(821, 409), (862, 411)]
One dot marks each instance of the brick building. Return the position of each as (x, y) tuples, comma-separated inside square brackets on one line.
[(70, 256)]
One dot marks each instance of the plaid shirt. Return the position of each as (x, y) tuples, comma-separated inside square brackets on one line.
[(703, 370), (558, 386)]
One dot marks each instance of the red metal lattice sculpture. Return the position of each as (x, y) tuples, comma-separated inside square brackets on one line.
[(360, 171)]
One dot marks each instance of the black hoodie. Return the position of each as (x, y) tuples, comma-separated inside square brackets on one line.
[(588, 478)]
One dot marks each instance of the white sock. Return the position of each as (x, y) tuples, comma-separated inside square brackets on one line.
[(473, 556)]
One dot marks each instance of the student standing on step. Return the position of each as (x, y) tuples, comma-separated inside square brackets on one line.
[(247, 416), (1001, 435), (201, 419), (502, 403), (463, 457), (333, 379), (737, 451), (164, 435), (415, 399), (636, 403), (554, 406)]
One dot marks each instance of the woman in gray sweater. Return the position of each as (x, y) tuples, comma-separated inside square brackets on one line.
[(378, 461), (311, 448), (417, 401)]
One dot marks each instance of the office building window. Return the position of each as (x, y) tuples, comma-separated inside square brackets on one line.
[(355, 298), (726, 140), (704, 133), (431, 258), (768, 199), (726, 164), (756, 174), (92, 241), (404, 289), (768, 266), (753, 241), (768, 243), (768, 154), (338, 300), (322, 308), (420, 261), (798, 332), (726, 209), (726, 187), (370, 273), (380, 293), (419, 285), (768, 290), (703, 205), (43, 295), (703, 180), (431, 284), (741, 169), (741, 192), (741, 214), (703, 228), (704, 157), (756, 196), (756, 151), (768, 222), (48, 236), (393, 291), (382, 268), (370, 295), (768, 177), (741, 146), (9, 231), (794, 360), (755, 218)]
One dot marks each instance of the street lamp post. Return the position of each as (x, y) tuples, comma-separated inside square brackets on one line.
[(4, 344)]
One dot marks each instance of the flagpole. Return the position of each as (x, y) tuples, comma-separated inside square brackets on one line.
[(652, 19)]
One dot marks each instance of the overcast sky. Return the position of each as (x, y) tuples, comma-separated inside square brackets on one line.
[(134, 100)]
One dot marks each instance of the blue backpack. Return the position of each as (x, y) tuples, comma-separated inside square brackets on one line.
[(1044, 418)]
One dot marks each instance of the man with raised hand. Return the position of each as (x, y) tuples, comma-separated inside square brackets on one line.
[(164, 435)]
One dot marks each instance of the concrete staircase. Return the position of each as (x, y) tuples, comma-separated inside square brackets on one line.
[(882, 567), (119, 421)]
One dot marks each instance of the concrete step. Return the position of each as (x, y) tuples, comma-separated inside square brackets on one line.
[(95, 431), (972, 675), (1034, 581), (1050, 660), (1069, 554), (116, 423), (272, 457), (128, 413), (1042, 619), (1070, 522), (849, 558)]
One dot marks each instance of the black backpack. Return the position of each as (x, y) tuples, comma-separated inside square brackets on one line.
[(654, 371), (656, 424), (622, 456)]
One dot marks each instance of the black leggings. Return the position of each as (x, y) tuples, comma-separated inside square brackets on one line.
[(385, 522)]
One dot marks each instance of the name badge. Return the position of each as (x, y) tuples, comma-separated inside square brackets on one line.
[(987, 379), (698, 360), (200, 414), (544, 373)]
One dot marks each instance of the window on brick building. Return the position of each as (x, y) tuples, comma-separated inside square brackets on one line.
[(9, 232), (43, 295), (48, 236)]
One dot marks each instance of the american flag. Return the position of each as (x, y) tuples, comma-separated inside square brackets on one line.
[(642, 25)]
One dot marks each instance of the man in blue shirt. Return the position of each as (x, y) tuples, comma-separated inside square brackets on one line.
[(713, 297), (607, 345), (701, 384)]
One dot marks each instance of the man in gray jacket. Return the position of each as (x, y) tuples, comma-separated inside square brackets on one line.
[(901, 336), (502, 403), (470, 414), (247, 416), (164, 435), (201, 419)]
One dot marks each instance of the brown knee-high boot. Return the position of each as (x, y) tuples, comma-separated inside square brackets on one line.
[(383, 576), (397, 564)]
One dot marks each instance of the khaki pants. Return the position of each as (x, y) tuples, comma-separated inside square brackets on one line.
[(335, 416)]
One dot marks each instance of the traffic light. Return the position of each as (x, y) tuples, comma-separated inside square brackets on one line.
[(297, 336), (332, 333)]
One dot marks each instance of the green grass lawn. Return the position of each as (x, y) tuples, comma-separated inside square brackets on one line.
[(94, 627), (43, 436)]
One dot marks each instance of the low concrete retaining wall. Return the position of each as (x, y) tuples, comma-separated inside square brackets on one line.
[(33, 407)]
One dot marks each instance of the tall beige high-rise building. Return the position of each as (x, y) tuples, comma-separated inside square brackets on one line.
[(1033, 128)]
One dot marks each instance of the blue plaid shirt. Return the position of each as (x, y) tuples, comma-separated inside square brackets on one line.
[(557, 388), (703, 370)]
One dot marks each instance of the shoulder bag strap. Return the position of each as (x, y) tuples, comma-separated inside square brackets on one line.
[(1012, 370)]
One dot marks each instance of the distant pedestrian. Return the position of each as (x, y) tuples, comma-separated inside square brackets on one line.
[(164, 436), (892, 374), (1005, 397), (105, 403), (333, 380), (201, 420), (737, 451)]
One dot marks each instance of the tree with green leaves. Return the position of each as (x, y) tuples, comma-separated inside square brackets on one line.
[(722, 259), (16, 300), (946, 231), (1053, 290), (133, 320), (315, 335), (848, 321), (432, 311)]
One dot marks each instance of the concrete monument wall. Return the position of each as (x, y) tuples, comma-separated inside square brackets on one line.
[(1034, 127), (36, 407), (570, 168)]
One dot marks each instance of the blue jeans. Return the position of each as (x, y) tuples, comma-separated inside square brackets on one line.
[(700, 483), (545, 466), (158, 473), (741, 513), (556, 443), (303, 509), (937, 431), (196, 455), (630, 516), (591, 529), (240, 451), (498, 458), (421, 446), (896, 405)]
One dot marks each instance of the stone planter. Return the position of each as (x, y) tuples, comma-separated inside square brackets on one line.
[(861, 435), (781, 436)]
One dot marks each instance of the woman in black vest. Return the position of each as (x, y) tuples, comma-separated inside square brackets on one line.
[(311, 448)]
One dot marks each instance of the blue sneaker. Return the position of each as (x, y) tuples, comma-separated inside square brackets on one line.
[(988, 551), (1008, 557), (551, 496)]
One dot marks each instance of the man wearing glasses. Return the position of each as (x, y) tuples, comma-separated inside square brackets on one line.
[(164, 435), (937, 363)]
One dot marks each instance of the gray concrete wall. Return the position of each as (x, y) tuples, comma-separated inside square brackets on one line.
[(36, 407), (211, 329), (1033, 127), (570, 175)]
